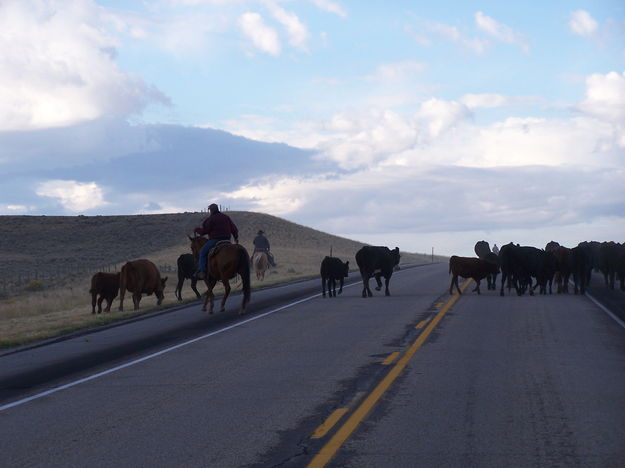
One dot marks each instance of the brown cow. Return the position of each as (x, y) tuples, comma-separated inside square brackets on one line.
[(469, 267), (140, 277), (107, 286)]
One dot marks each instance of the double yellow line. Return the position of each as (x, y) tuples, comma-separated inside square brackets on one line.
[(344, 432)]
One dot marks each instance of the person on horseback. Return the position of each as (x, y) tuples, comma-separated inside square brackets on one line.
[(218, 227), (261, 244)]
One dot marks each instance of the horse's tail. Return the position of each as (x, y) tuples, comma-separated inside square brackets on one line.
[(244, 271)]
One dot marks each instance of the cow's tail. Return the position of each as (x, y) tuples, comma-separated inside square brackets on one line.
[(244, 271)]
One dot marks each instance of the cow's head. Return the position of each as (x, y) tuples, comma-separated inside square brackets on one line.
[(395, 254)]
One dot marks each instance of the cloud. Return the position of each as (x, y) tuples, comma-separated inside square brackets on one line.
[(262, 36), (296, 30), (397, 71), (454, 34), (57, 67), (582, 24), (331, 7), (605, 100), (72, 195), (501, 31)]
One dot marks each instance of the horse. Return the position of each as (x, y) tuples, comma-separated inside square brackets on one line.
[(229, 261), (260, 262)]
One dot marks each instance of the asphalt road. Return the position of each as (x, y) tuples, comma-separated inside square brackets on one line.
[(412, 380)]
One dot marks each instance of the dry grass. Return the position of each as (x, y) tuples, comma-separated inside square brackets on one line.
[(36, 315)]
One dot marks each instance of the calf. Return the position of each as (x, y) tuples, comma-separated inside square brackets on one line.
[(106, 285), (469, 267), (186, 270), (333, 270)]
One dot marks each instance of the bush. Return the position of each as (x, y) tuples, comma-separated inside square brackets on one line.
[(34, 285)]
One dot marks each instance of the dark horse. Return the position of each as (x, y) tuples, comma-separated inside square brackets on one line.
[(229, 261)]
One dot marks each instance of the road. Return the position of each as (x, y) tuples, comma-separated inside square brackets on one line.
[(420, 378)]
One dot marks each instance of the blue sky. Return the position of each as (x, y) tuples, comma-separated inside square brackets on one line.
[(417, 124)]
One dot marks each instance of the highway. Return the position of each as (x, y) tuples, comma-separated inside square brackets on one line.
[(420, 378)]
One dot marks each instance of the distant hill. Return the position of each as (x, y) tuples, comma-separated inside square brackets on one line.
[(58, 246)]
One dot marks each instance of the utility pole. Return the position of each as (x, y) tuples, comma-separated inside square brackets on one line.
[(432, 254)]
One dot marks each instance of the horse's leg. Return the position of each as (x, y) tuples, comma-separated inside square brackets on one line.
[(227, 288), (210, 284)]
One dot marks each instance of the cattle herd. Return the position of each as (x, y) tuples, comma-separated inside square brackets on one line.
[(527, 268), (522, 268)]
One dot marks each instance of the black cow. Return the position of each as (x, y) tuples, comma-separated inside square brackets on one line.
[(520, 264), (186, 270), (581, 261), (468, 267), (106, 286), (376, 262), (333, 270), (491, 278), (609, 253)]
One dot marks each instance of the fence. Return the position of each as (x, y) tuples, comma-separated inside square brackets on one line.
[(20, 282)]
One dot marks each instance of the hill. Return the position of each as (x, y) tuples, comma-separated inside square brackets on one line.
[(50, 248)]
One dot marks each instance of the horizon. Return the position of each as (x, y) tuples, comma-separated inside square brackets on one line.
[(420, 126)]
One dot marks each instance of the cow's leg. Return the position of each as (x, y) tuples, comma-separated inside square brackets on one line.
[(333, 280), (477, 285), (178, 291), (341, 285), (136, 299), (227, 289), (378, 281), (365, 286), (100, 299), (94, 298), (387, 280), (109, 303), (323, 286), (194, 287)]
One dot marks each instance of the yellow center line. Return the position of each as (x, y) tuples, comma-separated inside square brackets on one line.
[(422, 323), (332, 446), (390, 358), (329, 423)]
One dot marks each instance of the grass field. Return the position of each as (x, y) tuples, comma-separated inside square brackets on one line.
[(37, 246)]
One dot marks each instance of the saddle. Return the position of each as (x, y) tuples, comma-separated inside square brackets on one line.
[(218, 246)]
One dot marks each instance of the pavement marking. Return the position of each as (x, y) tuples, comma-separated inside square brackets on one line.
[(423, 323), (161, 352), (606, 310), (329, 423), (345, 431), (390, 358), (153, 355)]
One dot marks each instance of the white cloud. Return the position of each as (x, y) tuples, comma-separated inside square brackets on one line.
[(582, 24), (262, 36), (397, 71), (57, 67), (74, 196), (473, 101), (453, 34), (331, 7), (440, 115), (501, 31), (296, 30)]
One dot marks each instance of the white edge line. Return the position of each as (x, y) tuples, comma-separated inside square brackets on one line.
[(159, 353), (606, 310)]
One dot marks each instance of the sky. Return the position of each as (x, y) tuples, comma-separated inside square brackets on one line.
[(423, 125)]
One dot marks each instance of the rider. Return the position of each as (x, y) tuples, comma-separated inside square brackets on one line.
[(261, 244), (219, 227)]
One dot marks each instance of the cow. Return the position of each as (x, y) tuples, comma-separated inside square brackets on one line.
[(491, 278), (106, 285), (469, 267), (376, 261), (620, 267), (564, 262), (482, 249), (609, 253), (333, 270), (593, 258), (520, 264), (140, 277), (186, 270), (581, 262)]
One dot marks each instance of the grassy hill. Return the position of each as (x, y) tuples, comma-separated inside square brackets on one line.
[(46, 262)]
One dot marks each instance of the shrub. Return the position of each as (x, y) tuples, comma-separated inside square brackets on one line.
[(34, 285)]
